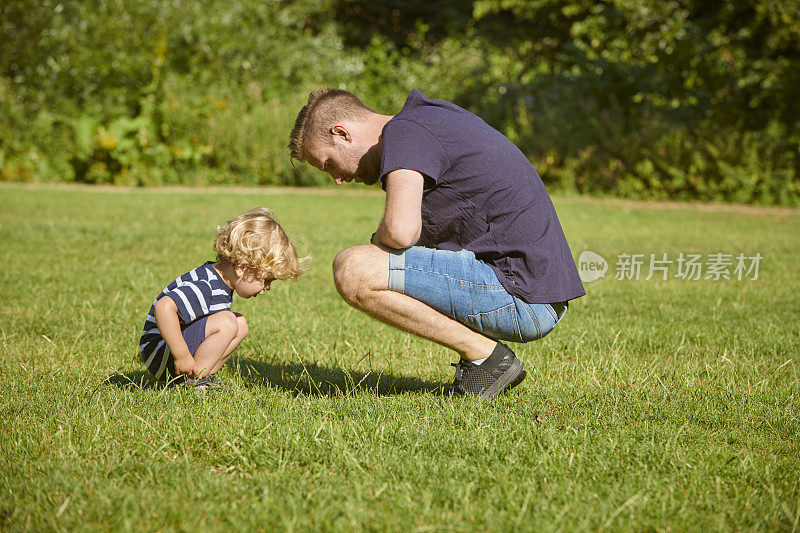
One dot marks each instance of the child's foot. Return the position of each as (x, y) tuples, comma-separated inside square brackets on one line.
[(183, 383), (204, 384), (210, 382)]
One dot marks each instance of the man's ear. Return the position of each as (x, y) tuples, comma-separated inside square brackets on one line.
[(339, 130)]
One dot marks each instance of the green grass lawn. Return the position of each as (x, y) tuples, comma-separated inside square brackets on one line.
[(654, 405)]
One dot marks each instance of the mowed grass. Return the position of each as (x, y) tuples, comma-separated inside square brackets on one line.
[(655, 405)]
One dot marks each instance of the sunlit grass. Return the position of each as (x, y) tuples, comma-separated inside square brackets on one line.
[(654, 405)]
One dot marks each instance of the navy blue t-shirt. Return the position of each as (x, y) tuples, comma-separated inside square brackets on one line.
[(481, 194)]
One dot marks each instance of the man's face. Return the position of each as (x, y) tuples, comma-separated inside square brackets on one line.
[(346, 160)]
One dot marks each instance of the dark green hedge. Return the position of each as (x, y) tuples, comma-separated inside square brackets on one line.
[(647, 99)]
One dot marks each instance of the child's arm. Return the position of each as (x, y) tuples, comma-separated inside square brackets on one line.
[(166, 313)]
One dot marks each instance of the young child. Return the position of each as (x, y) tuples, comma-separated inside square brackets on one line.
[(190, 331)]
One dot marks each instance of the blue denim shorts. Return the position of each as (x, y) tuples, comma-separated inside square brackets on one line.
[(468, 291)]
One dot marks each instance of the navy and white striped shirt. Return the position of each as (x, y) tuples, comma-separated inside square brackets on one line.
[(198, 293)]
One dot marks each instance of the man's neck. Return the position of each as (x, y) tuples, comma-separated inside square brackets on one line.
[(376, 125)]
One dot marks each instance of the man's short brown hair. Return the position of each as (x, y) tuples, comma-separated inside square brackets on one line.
[(325, 107)]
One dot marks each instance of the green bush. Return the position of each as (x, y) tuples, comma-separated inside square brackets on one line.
[(655, 99)]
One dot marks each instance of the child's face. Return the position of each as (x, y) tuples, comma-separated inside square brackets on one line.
[(248, 285)]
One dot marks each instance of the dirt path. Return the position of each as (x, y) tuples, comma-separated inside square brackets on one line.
[(708, 207)]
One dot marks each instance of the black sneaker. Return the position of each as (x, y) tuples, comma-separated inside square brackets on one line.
[(502, 371)]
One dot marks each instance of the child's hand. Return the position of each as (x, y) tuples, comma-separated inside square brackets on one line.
[(184, 366)]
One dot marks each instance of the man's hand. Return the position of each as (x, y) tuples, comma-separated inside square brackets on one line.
[(402, 221)]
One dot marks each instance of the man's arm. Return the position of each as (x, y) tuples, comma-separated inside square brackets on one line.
[(401, 224)]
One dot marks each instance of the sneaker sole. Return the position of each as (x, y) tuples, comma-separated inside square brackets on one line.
[(510, 379)]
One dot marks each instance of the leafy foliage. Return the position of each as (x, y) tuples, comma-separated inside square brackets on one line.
[(655, 99)]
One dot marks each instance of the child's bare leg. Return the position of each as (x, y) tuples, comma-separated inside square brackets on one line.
[(222, 329), (243, 330)]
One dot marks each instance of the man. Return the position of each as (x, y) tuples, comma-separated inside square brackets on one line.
[(469, 250)]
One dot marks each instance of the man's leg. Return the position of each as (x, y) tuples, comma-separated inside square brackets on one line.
[(361, 274)]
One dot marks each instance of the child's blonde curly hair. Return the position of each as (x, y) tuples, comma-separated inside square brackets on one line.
[(255, 242)]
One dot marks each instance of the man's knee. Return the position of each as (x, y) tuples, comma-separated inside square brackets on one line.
[(358, 270), (347, 272)]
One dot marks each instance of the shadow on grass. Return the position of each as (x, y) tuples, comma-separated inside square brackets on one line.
[(299, 379), (315, 380)]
